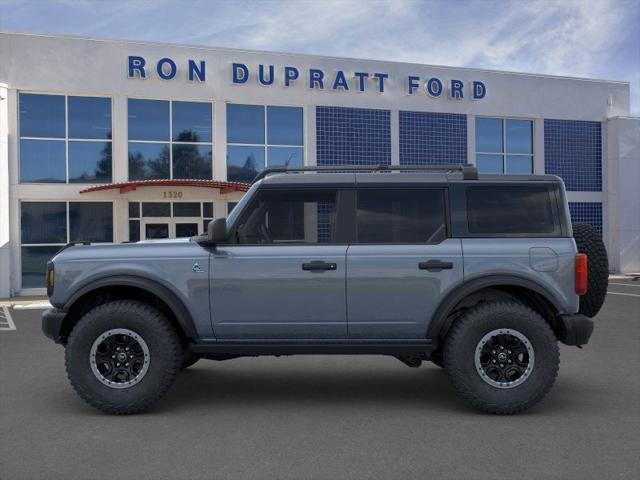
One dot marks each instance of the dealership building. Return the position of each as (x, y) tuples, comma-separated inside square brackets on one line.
[(114, 141)]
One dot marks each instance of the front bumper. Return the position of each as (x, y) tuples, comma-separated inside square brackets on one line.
[(52, 321), (575, 329)]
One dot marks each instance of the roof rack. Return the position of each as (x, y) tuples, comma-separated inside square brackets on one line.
[(469, 172)]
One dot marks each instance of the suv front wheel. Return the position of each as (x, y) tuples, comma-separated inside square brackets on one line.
[(123, 356), (502, 357)]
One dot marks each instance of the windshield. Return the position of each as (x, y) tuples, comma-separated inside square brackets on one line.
[(233, 216)]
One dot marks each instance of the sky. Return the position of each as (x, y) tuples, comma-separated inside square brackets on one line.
[(579, 38)]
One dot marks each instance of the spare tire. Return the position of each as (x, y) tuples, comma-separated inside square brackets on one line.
[(589, 242)]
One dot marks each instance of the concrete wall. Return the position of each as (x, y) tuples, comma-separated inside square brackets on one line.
[(5, 245)]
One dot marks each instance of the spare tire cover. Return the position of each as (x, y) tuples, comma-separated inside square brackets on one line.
[(589, 242)]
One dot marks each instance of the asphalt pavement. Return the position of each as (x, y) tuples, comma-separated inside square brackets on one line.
[(326, 417)]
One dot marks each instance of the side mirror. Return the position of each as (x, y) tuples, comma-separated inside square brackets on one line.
[(217, 230)]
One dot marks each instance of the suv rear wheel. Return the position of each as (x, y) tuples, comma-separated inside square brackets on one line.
[(122, 356), (502, 357)]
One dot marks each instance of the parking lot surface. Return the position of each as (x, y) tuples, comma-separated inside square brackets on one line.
[(323, 417)]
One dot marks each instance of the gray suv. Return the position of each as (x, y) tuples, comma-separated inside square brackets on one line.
[(479, 274)]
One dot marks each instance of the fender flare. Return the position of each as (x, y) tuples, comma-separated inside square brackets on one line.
[(440, 322), (176, 305)]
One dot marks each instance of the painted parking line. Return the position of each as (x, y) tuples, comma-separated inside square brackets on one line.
[(625, 284), (6, 322), (623, 294), (32, 306)]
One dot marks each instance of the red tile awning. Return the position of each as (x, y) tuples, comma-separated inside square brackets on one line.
[(224, 187)]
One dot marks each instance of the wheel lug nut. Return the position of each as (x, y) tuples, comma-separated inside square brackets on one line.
[(509, 361), (508, 351), (501, 348), (128, 349), (494, 361), (501, 365), (113, 356), (493, 351), (126, 364), (117, 364)]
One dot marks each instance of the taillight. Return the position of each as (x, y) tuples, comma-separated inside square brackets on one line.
[(582, 276)]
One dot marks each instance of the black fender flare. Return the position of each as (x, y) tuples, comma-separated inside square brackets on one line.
[(440, 322), (176, 305)]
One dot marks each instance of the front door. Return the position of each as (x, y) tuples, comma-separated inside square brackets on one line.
[(284, 275), (401, 264)]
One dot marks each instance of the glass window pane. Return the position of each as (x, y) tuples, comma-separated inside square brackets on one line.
[(289, 217), (134, 230), (231, 206), (148, 120), (284, 125), (519, 136), (489, 135), (245, 124), (34, 265), (156, 230), (192, 161), (489, 163), (134, 210), (89, 117), (89, 162), (186, 209), (91, 221), (285, 156), (519, 164), (148, 161), (42, 161), (43, 222), (191, 122), (207, 209), (41, 115), (401, 216), (244, 163), (186, 230), (205, 225), (156, 209), (502, 209)]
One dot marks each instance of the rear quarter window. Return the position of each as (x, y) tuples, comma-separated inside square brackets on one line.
[(510, 210)]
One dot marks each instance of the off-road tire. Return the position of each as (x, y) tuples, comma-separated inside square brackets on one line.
[(165, 355), (188, 359), (462, 341), (437, 359), (589, 242)]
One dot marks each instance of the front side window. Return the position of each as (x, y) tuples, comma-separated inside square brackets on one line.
[(170, 140), (305, 217), (65, 139), (259, 136), (504, 145), (401, 216)]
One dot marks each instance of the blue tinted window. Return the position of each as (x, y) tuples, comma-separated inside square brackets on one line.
[(148, 161), (519, 164), (207, 210), (156, 209), (191, 122), (89, 117), (489, 163), (489, 135), (231, 206), (34, 265), (91, 221), (42, 161), (148, 120), (89, 162), (192, 161), (43, 222), (245, 124), (244, 163), (519, 136), (41, 115), (285, 156), (134, 209), (134, 230), (284, 126)]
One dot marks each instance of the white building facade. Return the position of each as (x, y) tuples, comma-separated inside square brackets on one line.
[(112, 141)]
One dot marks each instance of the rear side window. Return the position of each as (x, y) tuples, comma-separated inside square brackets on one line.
[(401, 216), (509, 210)]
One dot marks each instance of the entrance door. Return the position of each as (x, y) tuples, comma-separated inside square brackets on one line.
[(284, 277), (402, 263)]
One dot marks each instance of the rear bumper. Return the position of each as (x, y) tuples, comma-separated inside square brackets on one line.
[(52, 320), (575, 329)]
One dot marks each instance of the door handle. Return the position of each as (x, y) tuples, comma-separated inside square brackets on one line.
[(435, 265), (319, 266)]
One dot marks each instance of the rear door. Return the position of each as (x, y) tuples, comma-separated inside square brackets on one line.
[(401, 263)]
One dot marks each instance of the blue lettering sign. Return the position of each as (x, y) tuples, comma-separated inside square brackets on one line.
[(362, 77), (240, 73), (261, 79), (455, 89), (380, 77), (340, 81), (161, 70), (412, 84), (196, 71), (479, 90), (290, 74), (136, 64), (433, 87), (316, 77)]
